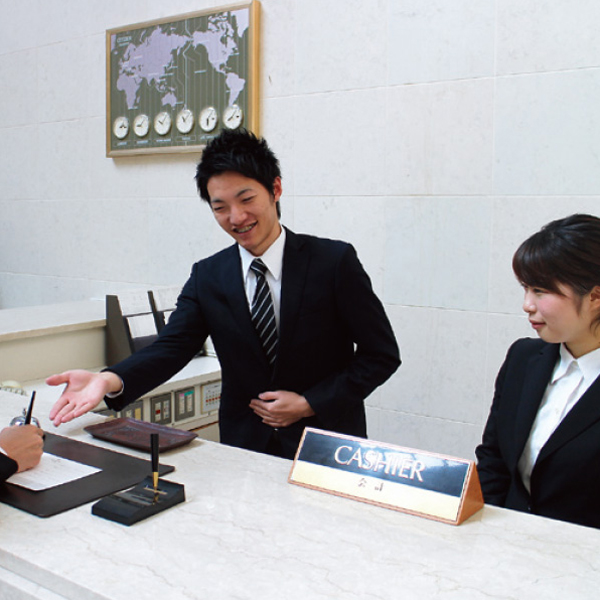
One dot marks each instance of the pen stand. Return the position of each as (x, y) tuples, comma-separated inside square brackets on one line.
[(21, 419), (139, 502)]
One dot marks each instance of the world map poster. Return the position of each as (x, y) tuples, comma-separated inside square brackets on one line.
[(175, 84)]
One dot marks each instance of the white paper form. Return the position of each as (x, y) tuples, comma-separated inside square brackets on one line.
[(51, 471)]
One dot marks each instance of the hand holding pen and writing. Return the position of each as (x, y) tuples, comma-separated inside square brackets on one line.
[(23, 443), (84, 391)]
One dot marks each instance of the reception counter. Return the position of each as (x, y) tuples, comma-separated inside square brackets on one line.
[(245, 533)]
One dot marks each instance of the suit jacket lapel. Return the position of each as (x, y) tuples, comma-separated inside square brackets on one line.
[(293, 282), (538, 373), (232, 283), (583, 415)]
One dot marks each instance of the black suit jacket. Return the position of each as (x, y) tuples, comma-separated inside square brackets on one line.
[(336, 344), (8, 467), (565, 481)]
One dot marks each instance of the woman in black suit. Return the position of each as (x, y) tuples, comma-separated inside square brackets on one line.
[(540, 451)]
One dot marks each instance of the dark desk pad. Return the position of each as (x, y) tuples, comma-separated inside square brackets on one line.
[(119, 472)]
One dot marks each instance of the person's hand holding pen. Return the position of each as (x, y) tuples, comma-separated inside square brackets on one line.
[(24, 444)]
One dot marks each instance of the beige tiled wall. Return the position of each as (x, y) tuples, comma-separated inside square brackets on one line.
[(435, 136)]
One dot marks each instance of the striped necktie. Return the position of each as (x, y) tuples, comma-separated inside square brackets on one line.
[(263, 313)]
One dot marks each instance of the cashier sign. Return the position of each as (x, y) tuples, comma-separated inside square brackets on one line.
[(431, 485)]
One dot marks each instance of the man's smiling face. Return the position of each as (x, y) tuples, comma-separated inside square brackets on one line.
[(246, 210)]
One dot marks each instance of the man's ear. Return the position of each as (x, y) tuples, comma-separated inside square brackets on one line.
[(277, 188)]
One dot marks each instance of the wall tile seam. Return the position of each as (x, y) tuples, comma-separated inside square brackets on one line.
[(18, 51), (84, 36), (32, 199), (440, 420), (440, 82), (412, 196), (407, 84), (75, 279), (562, 196), (546, 195), (518, 74), (374, 88), (53, 122), (474, 313)]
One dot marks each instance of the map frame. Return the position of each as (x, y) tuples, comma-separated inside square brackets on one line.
[(246, 56)]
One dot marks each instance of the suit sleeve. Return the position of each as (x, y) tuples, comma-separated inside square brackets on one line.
[(493, 472), (376, 356), (176, 345), (8, 467)]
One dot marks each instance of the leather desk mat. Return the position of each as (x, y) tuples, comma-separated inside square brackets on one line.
[(119, 472)]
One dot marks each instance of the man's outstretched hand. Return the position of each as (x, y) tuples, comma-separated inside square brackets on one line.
[(84, 391)]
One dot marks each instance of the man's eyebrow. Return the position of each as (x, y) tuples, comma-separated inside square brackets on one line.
[(237, 195)]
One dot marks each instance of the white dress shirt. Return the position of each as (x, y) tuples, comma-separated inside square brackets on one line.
[(570, 380), (273, 259)]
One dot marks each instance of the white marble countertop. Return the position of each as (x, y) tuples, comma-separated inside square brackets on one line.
[(34, 321), (245, 533)]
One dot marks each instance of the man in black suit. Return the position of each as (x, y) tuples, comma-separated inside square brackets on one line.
[(332, 344), (21, 448)]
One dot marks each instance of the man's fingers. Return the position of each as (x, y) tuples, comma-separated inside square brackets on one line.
[(58, 406), (63, 411), (58, 379)]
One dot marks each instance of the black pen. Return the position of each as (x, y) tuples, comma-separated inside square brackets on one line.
[(30, 410), (154, 452)]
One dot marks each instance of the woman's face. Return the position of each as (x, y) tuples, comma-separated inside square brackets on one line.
[(563, 318)]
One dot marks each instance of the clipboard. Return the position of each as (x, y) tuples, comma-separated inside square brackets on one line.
[(119, 472)]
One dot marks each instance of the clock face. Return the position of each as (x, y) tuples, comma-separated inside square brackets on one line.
[(141, 125), (162, 123), (233, 116), (121, 127), (208, 118), (185, 120)]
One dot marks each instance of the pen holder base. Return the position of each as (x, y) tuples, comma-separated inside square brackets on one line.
[(139, 502)]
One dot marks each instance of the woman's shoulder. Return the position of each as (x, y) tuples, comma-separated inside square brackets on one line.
[(525, 347)]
